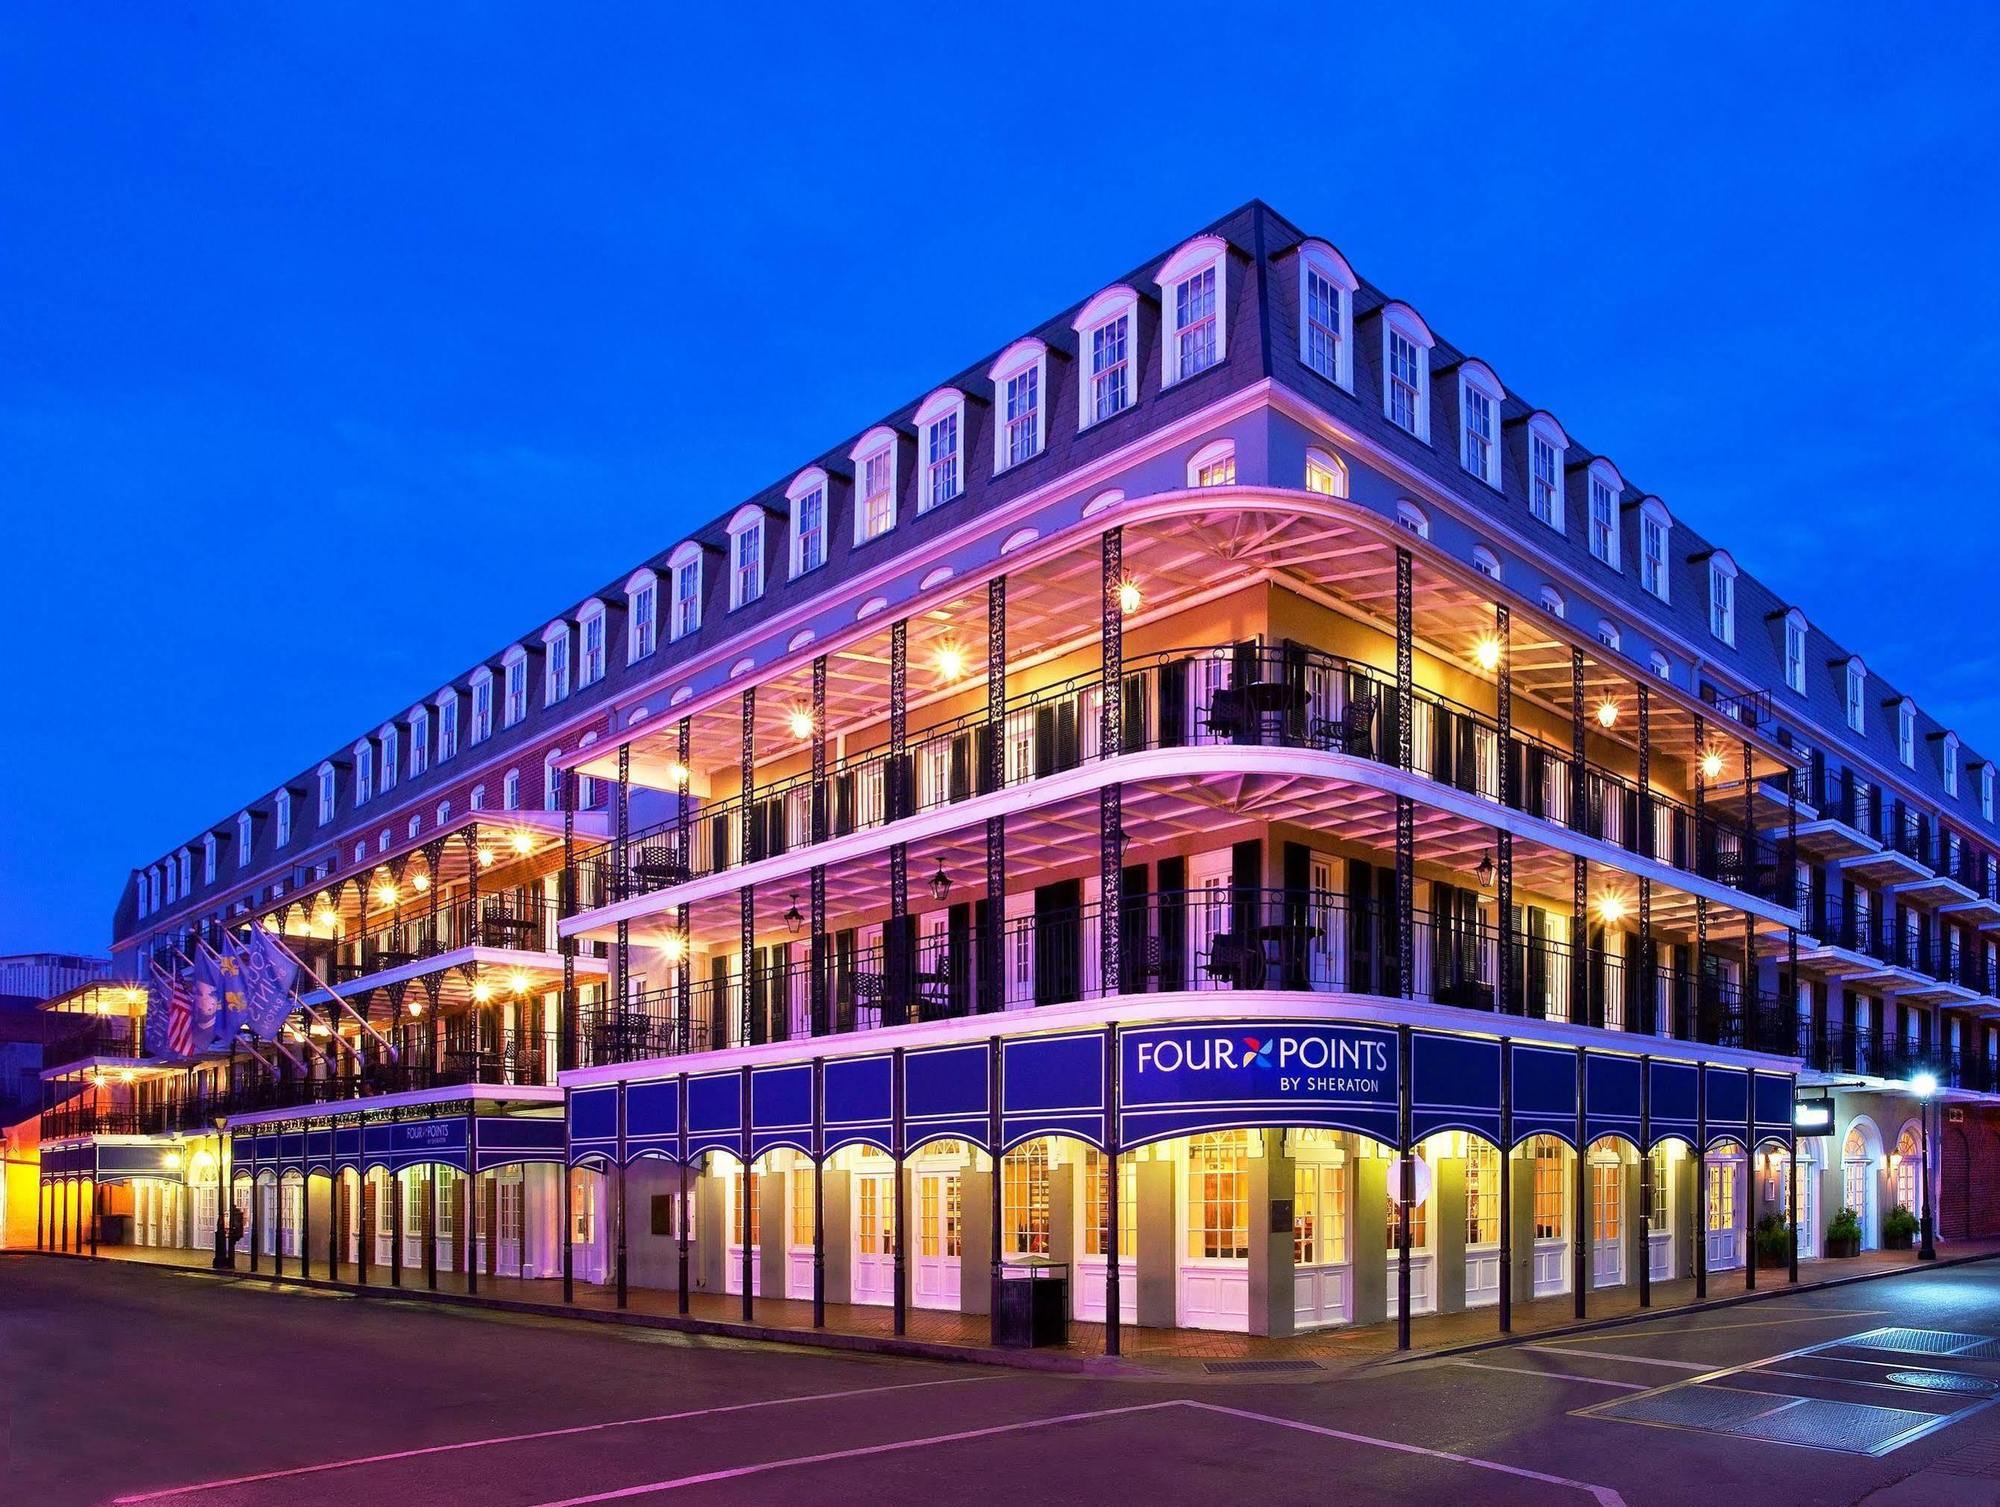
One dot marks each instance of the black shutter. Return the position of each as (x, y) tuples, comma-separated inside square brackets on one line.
[(1173, 703), (1058, 944), (1173, 923)]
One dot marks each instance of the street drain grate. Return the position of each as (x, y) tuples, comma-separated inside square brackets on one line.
[(1853, 1427), (1940, 1381), (1244, 1367), (1919, 1342), (1694, 1407)]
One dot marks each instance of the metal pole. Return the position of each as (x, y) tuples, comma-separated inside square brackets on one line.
[(1112, 1317), (1927, 1250), (1406, 1193), (1792, 1201), (1701, 1182), (395, 1185), (898, 1135), (468, 1226), (747, 1214), (1506, 1185), (1750, 1179), (1580, 1247), (1647, 1192), (680, 1119), (568, 1232), (431, 1223), (819, 1192), (618, 1211)]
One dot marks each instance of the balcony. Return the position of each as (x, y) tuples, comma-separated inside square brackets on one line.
[(104, 1037), (1238, 695), (1863, 1056), (396, 948), (1230, 940), (71, 1121)]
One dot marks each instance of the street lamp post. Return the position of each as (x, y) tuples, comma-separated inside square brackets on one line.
[(223, 1201), (1924, 1086)]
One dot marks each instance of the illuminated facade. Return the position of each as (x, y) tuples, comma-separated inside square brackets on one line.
[(1221, 741)]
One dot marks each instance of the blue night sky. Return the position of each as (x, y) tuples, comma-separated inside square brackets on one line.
[(339, 345)]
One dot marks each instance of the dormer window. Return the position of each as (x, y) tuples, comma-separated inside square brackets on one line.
[(746, 556), (1795, 651), (642, 615), (1104, 342), (941, 439), (590, 664), (1655, 529), (1986, 791), (1906, 732), (1605, 488), (246, 830), (364, 772), (1406, 376), (1479, 422), (874, 485), (391, 738), (1486, 562), (555, 663), (1213, 465), (482, 704), (1857, 695), (514, 667), (1547, 445), (420, 740), (208, 849), (283, 808), (1951, 764), (1326, 473), (173, 889), (684, 567), (1017, 392), (327, 794), (1191, 298), (1326, 313), (806, 498), (1722, 597), (447, 705)]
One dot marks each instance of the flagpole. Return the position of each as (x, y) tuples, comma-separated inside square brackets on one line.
[(339, 999), (312, 1016)]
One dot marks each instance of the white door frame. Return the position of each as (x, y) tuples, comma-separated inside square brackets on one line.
[(872, 1275), (1607, 1257), (935, 1280)]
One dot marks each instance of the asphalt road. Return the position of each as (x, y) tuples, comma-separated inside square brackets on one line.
[(126, 1384)]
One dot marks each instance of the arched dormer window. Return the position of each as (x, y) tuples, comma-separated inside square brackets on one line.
[(1486, 562), (1547, 446), (806, 500), (590, 656), (1106, 336), (1020, 385), (327, 794), (941, 448), (1795, 651), (1479, 397), (555, 662), (1194, 307), (419, 722), (1552, 602), (684, 568), (1855, 697), (514, 685), (1608, 634), (1413, 518), (1722, 596), (1656, 532), (746, 556), (364, 772), (1326, 313), (1213, 465), (874, 484), (1406, 370), (642, 615), (510, 791), (390, 737), (1660, 666), (1326, 473), (1906, 732), (1950, 754), (1606, 487)]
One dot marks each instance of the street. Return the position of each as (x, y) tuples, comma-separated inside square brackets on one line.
[(130, 1384)]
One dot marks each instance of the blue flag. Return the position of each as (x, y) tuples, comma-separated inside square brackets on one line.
[(219, 1003), (268, 973), (154, 1036)]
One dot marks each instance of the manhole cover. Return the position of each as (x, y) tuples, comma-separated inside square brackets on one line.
[(1940, 1381), (1243, 1367), (1853, 1427)]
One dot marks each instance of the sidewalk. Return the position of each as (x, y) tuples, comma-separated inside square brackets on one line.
[(952, 1335)]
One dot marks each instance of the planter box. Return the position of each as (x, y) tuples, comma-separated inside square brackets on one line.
[(1851, 1246), (1769, 1260), (1898, 1242)]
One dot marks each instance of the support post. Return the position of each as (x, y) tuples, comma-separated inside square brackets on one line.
[(992, 955), (256, 1222), (1701, 1182), (1647, 1192), (1506, 1185), (431, 1224), (1792, 1199), (900, 965), (746, 1212), (618, 1203), (468, 1204), (1110, 743), (1406, 896), (395, 1186), (568, 1233), (1927, 1225), (1112, 1298), (819, 1192), (995, 1128), (1580, 1248), (1750, 1182), (568, 1043), (681, 1296), (898, 1135), (1503, 837), (1406, 1189)]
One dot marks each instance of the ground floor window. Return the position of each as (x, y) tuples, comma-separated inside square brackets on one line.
[(736, 1196), (1548, 1159), (1607, 1202), (1656, 1217), (1218, 1171), (1024, 1200), (939, 1214), (1482, 1193), (1319, 1214), (874, 1217), (582, 1207), (1721, 1196), (1096, 1234), (1909, 1158)]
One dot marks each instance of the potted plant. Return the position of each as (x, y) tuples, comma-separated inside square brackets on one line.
[(1843, 1235), (1899, 1228), (1774, 1240)]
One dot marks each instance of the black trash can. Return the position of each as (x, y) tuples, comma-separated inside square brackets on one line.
[(1032, 1307)]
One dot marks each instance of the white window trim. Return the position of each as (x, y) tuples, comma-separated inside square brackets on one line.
[(1486, 562), (1660, 666), (808, 481), (1950, 757), (1190, 261), (364, 764), (1655, 511), (1016, 359), (282, 807), (1796, 619), (1608, 634), (1721, 567), (686, 557), (388, 769), (475, 734), (1415, 519), (1400, 318), (558, 676), (1477, 376), (513, 671), (1543, 425), (1906, 732), (208, 859), (747, 519), (1317, 256), (1602, 473), (1332, 466), (1212, 453), (945, 403), (591, 615), (1854, 694), (1116, 302), (328, 793), (881, 440), (642, 629), (1986, 791), (1552, 602), (419, 724)]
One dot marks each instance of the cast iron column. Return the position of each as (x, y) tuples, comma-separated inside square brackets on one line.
[(567, 1049), (1503, 633), (618, 1209), (1406, 879), (1110, 743), (1647, 1192), (1506, 1185), (747, 1213), (1406, 1191), (1112, 1298), (681, 1224), (1580, 1248), (992, 954), (898, 1135), (895, 937), (745, 895), (1701, 1182), (816, 981), (819, 1192)]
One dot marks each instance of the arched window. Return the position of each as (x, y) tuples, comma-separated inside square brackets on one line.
[(1194, 307), (874, 460), (1213, 465), (1326, 473), (364, 772), (1606, 488), (1020, 381), (555, 662), (510, 791), (1406, 370), (1486, 562), (1326, 313), (1552, 602), (806, 497), (1105, 343), (1607, 633), (1413, 518), (746, 556), (1479, 399), (551, 781), (940, 448), (1656, 529), (327, 795), (642, 615), (1547, 445), (684, 567), (1660, 666), (1722, 596)]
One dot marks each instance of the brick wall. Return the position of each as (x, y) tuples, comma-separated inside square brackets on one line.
[(1969, 1173)]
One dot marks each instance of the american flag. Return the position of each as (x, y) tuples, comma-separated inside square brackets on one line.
[(180, 1017)]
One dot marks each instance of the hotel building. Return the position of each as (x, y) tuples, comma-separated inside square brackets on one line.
[(1222, 795)]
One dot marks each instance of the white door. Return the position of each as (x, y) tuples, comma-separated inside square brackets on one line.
[(732, 1214), (1423, 1261), (1548, 1163), (1213, 1290), (511, 1237), (1724, 1210), (202, 1236), (1208, 880), (1482, 1223), (1326, 939), (267, 1196), (1857, 1182), (586, 1246), (385, 1230), (293, 1205), (1322, 1276), (416, 1214), (873, 1273), (1660, 1227), (1090, 1289), (799, 1246), (1607, 1221), (939, 1241)]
